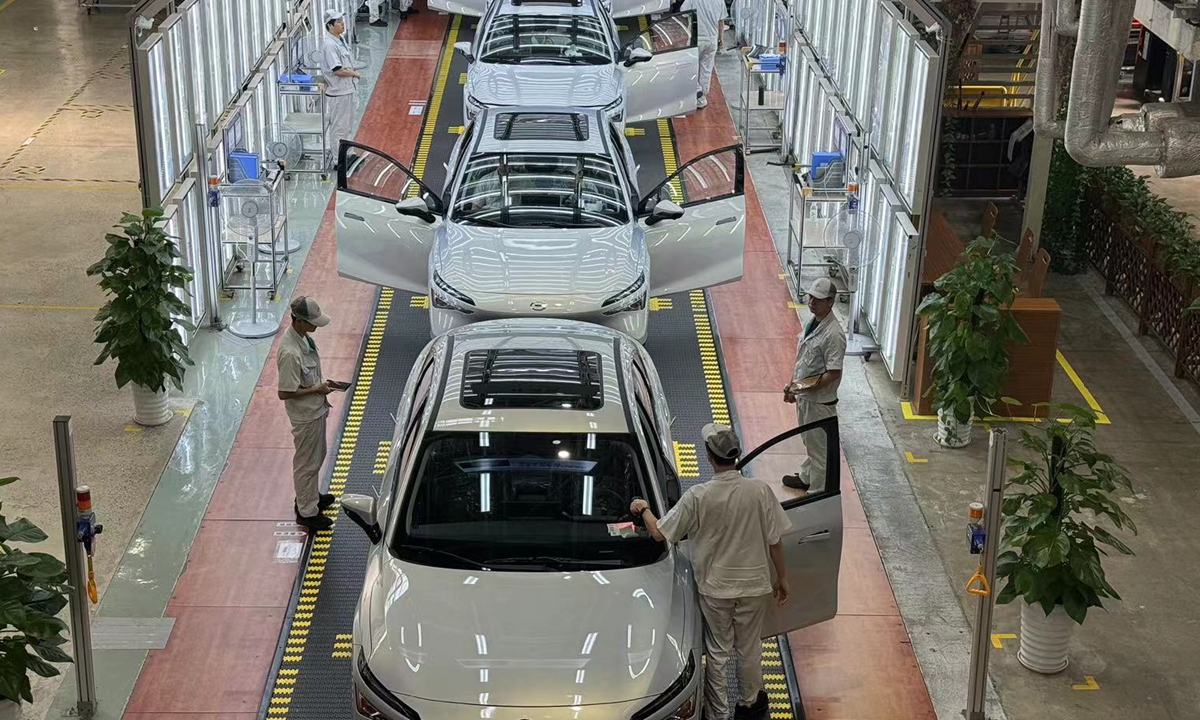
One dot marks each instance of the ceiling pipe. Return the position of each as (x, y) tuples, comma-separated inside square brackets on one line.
[(1045, 92), (1090, 140)]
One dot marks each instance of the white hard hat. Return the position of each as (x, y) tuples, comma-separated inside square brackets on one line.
[(822, 289), (334, 14)]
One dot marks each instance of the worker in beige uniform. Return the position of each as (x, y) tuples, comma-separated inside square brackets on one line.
[(815, 381), (734, 525), (303, 390), (341, 85)]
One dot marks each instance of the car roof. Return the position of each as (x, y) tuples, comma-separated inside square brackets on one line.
[(539, 346), (548, 7), (542, 129)]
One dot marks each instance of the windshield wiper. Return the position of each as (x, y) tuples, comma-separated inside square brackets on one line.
[(556, 563), (468, 562)]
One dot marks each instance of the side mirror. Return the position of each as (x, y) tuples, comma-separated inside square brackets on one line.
[(416, 207), (635, 55), (361, 510), (664, 210), (464, 49)]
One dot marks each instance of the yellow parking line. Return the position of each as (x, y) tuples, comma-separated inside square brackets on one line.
[(1101, 418)]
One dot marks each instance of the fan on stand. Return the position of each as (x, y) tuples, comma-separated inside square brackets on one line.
[(248, 213), (285, 148), (853, 240)]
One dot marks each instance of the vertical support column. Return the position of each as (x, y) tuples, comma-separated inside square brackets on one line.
[(1037, 187), (81, 630), (982, 642)]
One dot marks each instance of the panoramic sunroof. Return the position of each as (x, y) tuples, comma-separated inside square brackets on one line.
[(541, 126), (544, 379)]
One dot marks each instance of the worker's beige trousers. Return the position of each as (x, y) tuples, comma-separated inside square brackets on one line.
[(339, 111), (708, 57), (732, 624), (309, 440), (812, 471)]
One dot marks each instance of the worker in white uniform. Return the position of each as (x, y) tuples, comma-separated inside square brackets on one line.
[(710, 15), (341, 85), (734, 525), (816, 377), (303, 390)]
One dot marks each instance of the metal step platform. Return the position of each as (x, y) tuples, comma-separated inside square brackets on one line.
[(311, 675)]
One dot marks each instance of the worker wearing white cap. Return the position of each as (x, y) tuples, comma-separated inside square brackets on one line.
[(734, 526), (303, 390), (341, 84), (816, 377)]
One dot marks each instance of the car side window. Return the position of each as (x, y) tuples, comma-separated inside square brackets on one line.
[(623, 160), (663, 469), (641, 391)]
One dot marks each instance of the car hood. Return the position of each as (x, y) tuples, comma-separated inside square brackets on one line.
[(582, 265), (528, 639), (547, 85)]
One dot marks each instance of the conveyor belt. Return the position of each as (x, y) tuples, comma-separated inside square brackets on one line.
[(310, 678)]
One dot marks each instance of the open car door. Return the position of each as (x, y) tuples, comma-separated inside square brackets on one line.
[(471, 8), (666, 84), (812, 548), (703, 246), (376, 241), (634, 8)]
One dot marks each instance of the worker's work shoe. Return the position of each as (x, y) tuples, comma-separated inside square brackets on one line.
[(326, 501), (756, 709), (795, 483), (316, 523), (378, 23)]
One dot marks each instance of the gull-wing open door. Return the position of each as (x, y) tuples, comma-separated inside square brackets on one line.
[(634, 8), (665, 84), (471, 8), (812, 548), (702, 245), (386, 220)]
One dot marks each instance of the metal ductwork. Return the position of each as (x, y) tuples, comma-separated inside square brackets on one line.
[(1165, 135)]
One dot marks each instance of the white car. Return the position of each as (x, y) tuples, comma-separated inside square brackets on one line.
[(506, 579), (616, 8), (541, 216), (567, 53)]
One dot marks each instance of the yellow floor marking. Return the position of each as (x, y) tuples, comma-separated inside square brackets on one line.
[(64, 308), (462, 78), (783, 276), (660, 304), (381, 456), (1089, 683), (419, 301), (434, 110), (913, 459), (685, 460), (1, 71), (634, 132), (796, 305), (455, 129), (134, 429), (6, 3), (910, 413), (999, 638), (1101, 418)]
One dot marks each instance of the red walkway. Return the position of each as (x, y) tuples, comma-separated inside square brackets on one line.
[(230, 602)]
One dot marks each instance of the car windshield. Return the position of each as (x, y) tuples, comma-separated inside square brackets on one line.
[(546, 39), (525, 501), (551, 191)]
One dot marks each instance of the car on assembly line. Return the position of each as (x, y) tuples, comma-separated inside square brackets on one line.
[(616, 8), (505, 578), (567, 53), (540, 215)]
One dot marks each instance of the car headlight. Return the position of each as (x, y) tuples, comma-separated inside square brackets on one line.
[(446, 297), (474, 104), (396, 706), (629, 299), (683, 708), (615, 110)]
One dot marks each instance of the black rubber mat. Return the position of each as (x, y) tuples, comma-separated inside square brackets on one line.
[(311, 677)]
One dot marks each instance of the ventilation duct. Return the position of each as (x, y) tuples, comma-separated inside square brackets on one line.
[(1165, 135)]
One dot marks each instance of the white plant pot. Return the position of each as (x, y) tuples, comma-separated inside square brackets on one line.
[(150, 408), (951, 433), (1045, 639), (9, 710)]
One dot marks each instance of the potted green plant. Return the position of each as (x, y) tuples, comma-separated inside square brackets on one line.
[(970, 325), (140, 325), (33, 589), (1053, 539)]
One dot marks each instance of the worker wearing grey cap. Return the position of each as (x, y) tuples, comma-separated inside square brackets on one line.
[(341, 84), (816, 377), (303, 390), (734, 525)]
